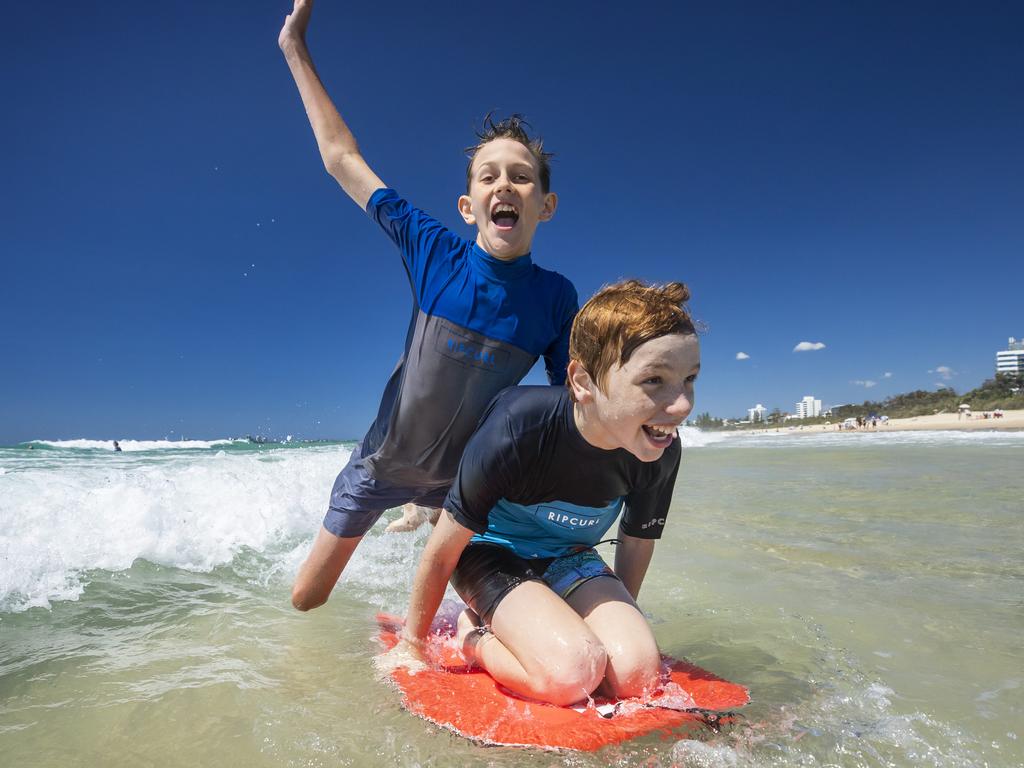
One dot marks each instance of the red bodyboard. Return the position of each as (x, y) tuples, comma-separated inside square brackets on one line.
[(469, 702)]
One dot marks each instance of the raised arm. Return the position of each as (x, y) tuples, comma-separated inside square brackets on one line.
[(632, 556), (338, 146), (444, 547)]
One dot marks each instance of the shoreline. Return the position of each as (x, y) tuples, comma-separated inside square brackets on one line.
[(1011, 421)]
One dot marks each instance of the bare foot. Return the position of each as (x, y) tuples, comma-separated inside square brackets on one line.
[(413, 516), (470, 633)]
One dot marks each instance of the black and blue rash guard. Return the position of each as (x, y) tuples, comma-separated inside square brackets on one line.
[(478, 325), (530, 482)]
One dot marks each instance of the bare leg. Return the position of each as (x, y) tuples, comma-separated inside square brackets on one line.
[(540, 647), (322, 569), (634, 663)]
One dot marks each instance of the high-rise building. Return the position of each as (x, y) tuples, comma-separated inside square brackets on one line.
[(757, 413), (808, 408), (1011, 359)]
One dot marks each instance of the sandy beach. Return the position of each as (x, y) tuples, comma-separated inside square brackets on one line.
[(1011, 420)]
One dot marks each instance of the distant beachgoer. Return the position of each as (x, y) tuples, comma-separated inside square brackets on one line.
[(117, 447), (483, 312)]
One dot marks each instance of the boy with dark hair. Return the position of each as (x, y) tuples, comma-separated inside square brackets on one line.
[(513, 128), (482, 315)]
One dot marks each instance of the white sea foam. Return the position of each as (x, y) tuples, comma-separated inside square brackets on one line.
[(692, 437), (194, 512), (697, 754), (138, 445)]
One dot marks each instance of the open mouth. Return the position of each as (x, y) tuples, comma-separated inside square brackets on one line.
[(660, 434), (504, 216)]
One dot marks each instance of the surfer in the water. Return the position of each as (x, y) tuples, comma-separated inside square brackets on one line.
[(545, 475), (482, 315)]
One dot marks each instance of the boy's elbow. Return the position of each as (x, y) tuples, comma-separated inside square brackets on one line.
[(338, 163), (333, 168)]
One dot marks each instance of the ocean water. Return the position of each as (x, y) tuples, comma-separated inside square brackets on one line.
[(867, 588)]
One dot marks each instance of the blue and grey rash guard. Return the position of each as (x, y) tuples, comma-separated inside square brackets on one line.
[(530, 482), (478, 325)]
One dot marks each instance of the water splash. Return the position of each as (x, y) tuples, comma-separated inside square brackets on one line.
[(130, 446), (690, 753), (197, 512)]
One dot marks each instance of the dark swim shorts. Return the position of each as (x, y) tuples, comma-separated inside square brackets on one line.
[(358, 500), (487, 572)]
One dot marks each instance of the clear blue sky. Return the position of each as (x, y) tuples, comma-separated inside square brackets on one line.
[(176, 262)]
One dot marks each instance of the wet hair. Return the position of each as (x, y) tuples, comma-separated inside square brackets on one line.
[(513, 127), (622, 316)]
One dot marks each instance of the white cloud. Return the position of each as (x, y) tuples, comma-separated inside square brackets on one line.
[(944, 371), (808, 346), (866, 383), (742, 356), (887, 375)]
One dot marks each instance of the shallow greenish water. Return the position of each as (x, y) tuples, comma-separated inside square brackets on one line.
[(869, 592)]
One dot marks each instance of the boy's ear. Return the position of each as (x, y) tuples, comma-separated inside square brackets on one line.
[(550, 204), (466, 210), (580, 383)]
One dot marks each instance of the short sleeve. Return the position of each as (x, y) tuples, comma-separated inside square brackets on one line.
[(556, 357), (647, 508), (428, 249), (485, 471)]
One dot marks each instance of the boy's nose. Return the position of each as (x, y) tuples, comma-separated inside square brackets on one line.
[(681, 405)]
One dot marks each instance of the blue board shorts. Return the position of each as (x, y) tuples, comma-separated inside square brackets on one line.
[(486, 573), (358, 500)]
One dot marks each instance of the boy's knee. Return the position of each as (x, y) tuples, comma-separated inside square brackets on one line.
[(301, 602), (634, 671), (307, 596), (573, 676)]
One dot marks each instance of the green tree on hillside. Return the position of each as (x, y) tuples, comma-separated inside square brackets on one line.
[(707, 421), (1005, 390)]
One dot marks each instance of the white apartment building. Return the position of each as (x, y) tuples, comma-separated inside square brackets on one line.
[(808, 408), (757, 413), (1011, 359)]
